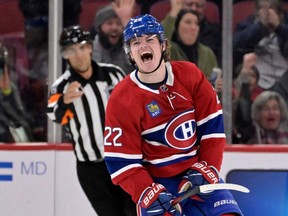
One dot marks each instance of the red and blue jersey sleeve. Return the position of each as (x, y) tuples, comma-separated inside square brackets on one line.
[(208, 112), (123, 148)]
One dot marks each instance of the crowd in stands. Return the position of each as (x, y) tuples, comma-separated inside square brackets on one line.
[(260, 46), (108, 41), (260, 65)]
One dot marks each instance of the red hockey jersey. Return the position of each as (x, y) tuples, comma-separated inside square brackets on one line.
[(161, 133)]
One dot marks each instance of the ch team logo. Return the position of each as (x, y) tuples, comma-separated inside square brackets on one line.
[(180, 133)]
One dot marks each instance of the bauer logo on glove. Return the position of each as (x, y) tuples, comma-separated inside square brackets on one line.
[(210, 173), (152, 195), (157, 201), (199, 174)]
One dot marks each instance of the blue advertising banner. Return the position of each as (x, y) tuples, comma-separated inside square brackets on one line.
[(268, 191)]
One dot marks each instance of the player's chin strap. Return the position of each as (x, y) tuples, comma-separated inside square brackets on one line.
[(160, 61)]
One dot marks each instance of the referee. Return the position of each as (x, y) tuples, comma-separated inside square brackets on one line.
[(77, 100)]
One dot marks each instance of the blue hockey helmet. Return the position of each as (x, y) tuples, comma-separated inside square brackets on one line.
[(143, 25)]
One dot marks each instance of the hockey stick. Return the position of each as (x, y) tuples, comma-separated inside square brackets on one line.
[(210, 187)]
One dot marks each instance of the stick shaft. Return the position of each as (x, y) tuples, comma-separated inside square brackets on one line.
[(210, 187)]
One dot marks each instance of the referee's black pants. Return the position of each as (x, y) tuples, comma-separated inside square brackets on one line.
[(107, 199)]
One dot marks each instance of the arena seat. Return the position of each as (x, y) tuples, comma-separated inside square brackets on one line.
[(241, 11), (285, 6), (11, 19), (89, 8)]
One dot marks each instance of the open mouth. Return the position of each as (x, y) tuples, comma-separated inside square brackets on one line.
[(113, 34), (146, 56), (271, 120), (113, 37)]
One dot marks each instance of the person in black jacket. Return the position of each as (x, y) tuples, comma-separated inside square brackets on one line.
[(78, 99), (14, 120)]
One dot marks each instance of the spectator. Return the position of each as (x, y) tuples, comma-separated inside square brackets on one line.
[(270, 118), (108, 42), (185, 44), (247, 89), (35, 13), (266, 34), (209, 34), (14, 121), (77, 101), (155, 151)]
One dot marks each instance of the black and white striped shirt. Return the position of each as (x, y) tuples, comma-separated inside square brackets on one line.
[(85, 116)]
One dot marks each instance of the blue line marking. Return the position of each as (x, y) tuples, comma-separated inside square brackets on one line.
[(6, 177), (6, 165)]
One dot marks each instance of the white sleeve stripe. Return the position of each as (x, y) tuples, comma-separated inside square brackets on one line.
[(124, 169), (215, 135), (159, 127), (173, 157), (121, 155), (154, 143), (219, 112)]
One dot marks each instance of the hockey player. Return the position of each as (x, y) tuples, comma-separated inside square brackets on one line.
[(78, 100), (164, 130)]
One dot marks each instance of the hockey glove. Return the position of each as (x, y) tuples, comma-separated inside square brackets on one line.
[(156, 201), (199, 174)]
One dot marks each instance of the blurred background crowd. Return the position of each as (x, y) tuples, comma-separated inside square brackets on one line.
[(195, 32)]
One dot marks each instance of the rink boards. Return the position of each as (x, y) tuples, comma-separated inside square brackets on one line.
[(40, 179)]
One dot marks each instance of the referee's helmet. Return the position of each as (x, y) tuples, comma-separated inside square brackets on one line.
[(74, 35)]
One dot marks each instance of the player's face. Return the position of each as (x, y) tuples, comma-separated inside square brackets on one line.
[(196, 5), (79, 56), (188, 30), (270, 115), (113, 30), (146, 51)]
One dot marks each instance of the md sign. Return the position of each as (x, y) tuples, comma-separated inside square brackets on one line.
[(31, 168)]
